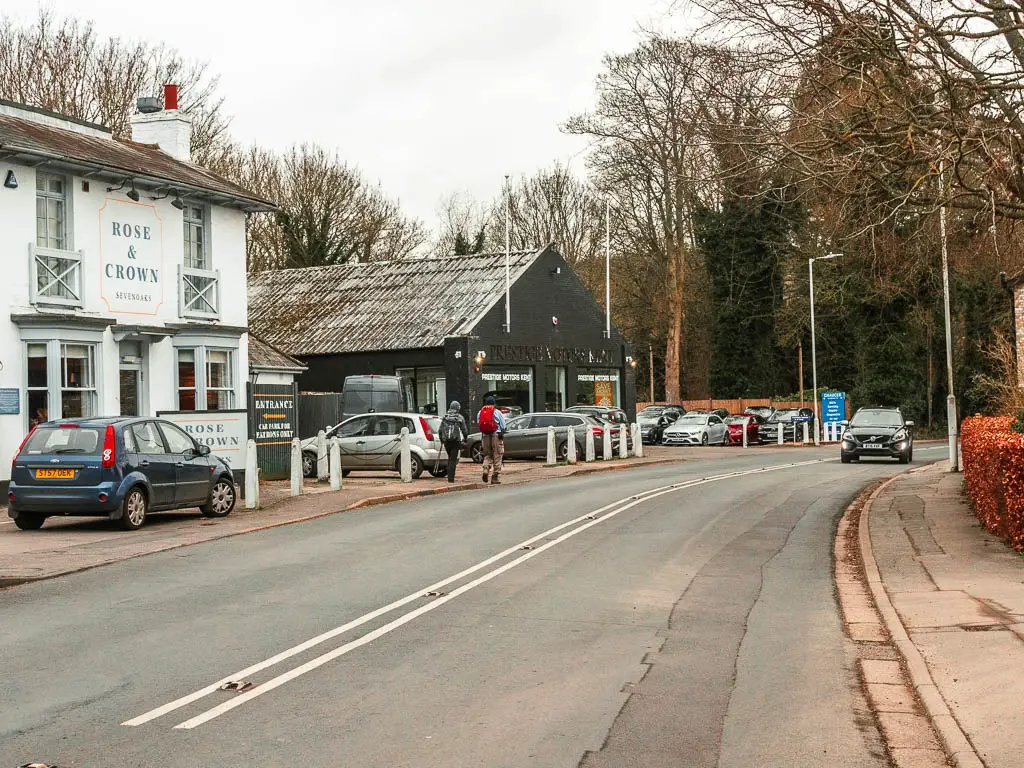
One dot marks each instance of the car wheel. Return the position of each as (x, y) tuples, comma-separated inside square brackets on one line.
[(417, 466), (844, 458), (904, 458), (308, 464), (29, 522), (562, 451), (476, 453), (704, 439), (133, 509), (221, 501)]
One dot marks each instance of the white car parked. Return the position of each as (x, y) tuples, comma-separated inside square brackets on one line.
[(697, 429), (372, 441)]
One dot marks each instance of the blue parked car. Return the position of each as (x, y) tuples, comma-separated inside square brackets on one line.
[(122, 468)]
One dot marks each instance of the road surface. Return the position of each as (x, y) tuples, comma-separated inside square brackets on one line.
[(679, 615)]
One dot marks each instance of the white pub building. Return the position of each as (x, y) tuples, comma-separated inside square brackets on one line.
[(124, 272)]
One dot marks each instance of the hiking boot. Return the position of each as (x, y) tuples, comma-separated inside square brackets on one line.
[(495, 481), (485, 475)]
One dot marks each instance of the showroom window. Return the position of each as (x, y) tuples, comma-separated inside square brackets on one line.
[(206, 375), (597, 386)]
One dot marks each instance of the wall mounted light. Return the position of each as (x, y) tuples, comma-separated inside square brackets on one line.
[(11, 182), (133, 193), (554, 321), (177, 202)]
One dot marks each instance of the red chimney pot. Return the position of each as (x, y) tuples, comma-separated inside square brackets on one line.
[(170, 97)]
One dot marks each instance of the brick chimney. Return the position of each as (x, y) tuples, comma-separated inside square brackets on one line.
[(168, 128)]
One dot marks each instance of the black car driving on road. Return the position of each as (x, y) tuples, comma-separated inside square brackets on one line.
[(879, 432)]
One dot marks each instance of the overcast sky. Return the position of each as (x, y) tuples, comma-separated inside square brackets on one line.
[(429, 98)]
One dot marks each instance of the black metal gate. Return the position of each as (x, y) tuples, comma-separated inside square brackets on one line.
[(273, 420), (318, 410)]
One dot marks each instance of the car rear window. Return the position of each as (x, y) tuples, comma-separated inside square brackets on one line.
[(434, 424), (84, 441)]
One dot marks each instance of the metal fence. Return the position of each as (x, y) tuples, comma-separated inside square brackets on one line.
[(317, 410)]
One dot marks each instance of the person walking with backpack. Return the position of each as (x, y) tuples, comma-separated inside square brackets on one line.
[(454, 434), (492, 430)]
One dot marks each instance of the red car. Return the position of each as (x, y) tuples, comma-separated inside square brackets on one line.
[(748, 421)]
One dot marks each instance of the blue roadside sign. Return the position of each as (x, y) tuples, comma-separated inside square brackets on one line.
[(833, 407)]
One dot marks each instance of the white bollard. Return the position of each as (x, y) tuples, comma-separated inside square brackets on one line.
[(638, 442), (405, 462), (570, 446), (623, 443), (588, 445), (606, 446), (335, 464), (252, 477), (781, 437), (552, 454), (296, 467), (321, 457), (807, 437), (744, 434)]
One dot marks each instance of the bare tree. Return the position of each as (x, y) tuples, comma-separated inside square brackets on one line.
[(328, 212), (655, 154), (61, 64)]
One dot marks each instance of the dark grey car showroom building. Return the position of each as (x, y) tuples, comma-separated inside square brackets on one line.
[(441, 322)]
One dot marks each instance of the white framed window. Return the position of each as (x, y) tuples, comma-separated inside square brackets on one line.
[(186, 379), (61, 380), (220, 380), (78, 380), (196, 242), (38, 384), (205, 376), (52, 211)]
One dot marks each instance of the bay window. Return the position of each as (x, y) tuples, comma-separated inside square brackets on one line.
[(205, 377), (61, 380)]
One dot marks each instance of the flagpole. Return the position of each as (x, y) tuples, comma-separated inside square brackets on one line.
[(508, 258), (607, 268)]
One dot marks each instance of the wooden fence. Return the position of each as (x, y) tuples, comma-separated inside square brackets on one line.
[(737, 405)]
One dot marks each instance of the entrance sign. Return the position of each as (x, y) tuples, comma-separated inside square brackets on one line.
[(226, 433), (131, 259), (833, 407), (506, 376)]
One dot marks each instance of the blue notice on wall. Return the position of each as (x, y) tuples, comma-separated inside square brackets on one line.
[(10, 402), (833, 407)]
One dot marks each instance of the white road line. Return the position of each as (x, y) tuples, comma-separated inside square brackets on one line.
[(618, 507), (365, 618)]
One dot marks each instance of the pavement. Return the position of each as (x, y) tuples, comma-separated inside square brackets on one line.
[(671, 615), (951, 598), (67, 545)]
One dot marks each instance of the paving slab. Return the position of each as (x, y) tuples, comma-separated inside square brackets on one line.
[(958, 595)]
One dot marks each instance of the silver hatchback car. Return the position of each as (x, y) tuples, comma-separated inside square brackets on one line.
[(372, 441)]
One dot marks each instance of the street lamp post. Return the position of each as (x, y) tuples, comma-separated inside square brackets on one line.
[(814, 348), (951, 420)]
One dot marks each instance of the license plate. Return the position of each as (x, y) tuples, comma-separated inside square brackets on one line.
[(55, 474)]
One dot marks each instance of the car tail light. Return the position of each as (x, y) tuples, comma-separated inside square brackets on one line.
[(69, 426), (426, 429), (598, 432), (17, 453), (109, 448)]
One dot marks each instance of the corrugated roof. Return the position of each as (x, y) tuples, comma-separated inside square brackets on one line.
[(264, 355), (407, 304), (22, 136)]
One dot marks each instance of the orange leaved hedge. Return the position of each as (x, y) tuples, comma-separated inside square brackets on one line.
[(993, 457)]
